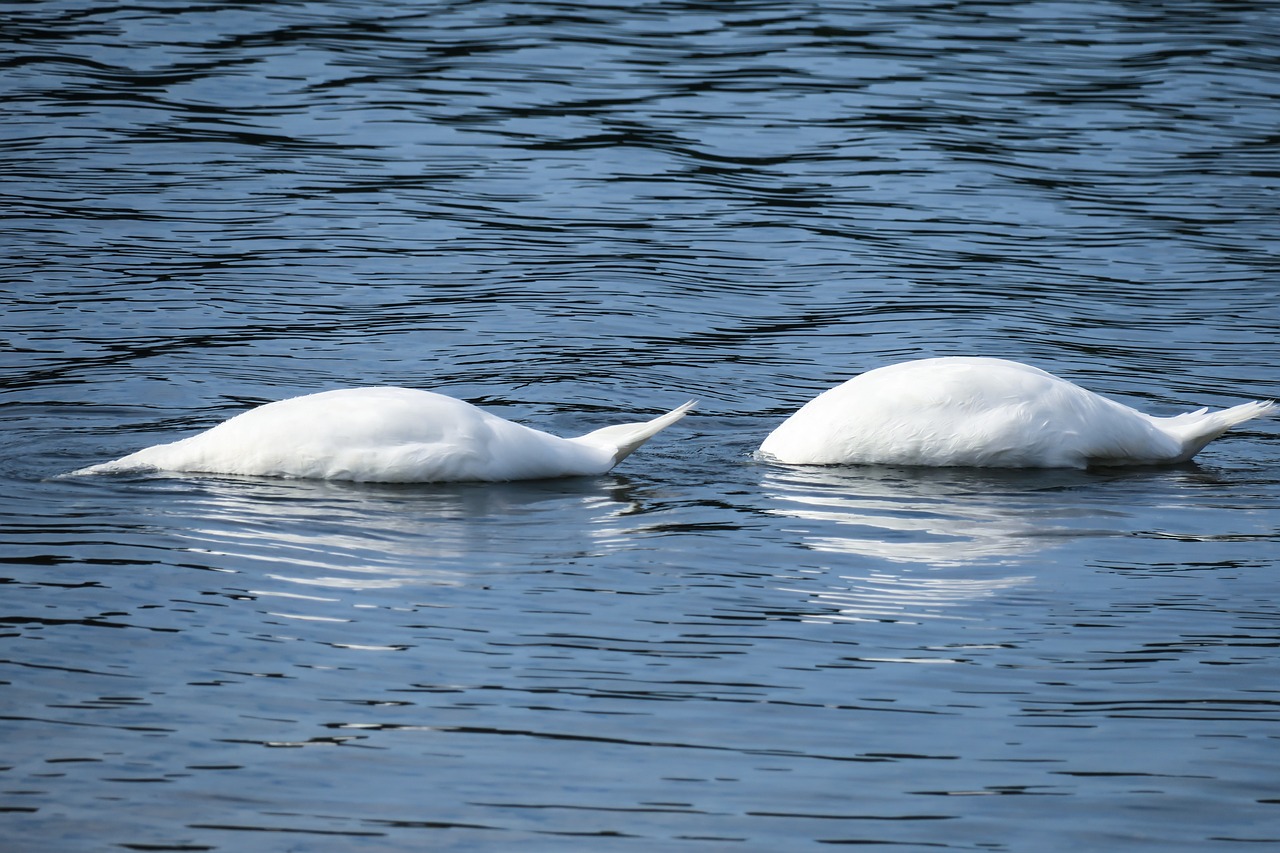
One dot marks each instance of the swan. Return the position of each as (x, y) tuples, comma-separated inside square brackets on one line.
[(388, 435), (985, 412)]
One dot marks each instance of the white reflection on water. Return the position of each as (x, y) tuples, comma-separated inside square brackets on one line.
[(901, 597), (347, 536), (936, 518), (953, 536)]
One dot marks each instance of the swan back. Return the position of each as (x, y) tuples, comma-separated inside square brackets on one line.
[(386, 435), (983, 412)]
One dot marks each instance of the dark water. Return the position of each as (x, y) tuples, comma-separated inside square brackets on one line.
[(576, 213)]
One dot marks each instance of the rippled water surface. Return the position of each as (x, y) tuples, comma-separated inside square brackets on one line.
[(576, 214)]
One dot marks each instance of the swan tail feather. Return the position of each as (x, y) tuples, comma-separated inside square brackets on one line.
[(623, 439), (1198, 428)]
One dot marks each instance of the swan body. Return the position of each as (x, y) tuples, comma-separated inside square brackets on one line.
[(986, 412), (388, 435)]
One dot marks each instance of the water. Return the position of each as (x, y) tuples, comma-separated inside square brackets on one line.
[(576, 214)]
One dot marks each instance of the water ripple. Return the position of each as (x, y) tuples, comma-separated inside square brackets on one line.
[(572, 213)]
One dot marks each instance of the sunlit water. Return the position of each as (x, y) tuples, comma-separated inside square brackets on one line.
[(581, 214)]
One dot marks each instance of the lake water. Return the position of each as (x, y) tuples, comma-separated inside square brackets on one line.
[(576, 214)]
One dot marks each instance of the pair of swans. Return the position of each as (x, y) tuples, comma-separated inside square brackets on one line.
[(983, 412)]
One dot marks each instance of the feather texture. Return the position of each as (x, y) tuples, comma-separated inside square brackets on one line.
[(986, 412), (388, 435)]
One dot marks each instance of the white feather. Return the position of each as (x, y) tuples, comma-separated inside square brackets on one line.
[(388, 435), (986, 412)]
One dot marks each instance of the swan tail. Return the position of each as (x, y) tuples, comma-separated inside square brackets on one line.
[(1198, 428), (623, 439)]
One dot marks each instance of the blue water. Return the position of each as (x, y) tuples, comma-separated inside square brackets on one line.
[(577, 214)]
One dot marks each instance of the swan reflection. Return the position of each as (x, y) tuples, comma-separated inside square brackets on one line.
[(349, 536), (939, 518), (941, 540), (900, 597)]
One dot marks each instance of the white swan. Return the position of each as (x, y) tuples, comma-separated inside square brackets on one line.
[(985, 412), (388, 435)]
